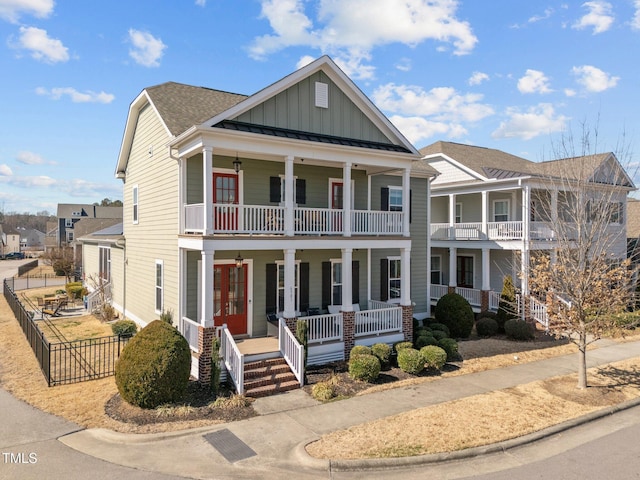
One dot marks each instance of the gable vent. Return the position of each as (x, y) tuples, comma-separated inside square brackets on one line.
[(322, 95)]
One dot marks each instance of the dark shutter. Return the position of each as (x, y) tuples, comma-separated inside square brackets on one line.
[(301, 191), (355, 281), (304, 287), (384, 279), (272, 283), (326, 284), (384, 199), (274, 189)]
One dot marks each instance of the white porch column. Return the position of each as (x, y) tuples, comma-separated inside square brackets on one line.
[(288, 196), (554, 207), (453, 270), (486, 269), (524, 266), (485, 213), (346, 199), (452, 215), (347, 297), (406, 200), (526, 211), (405, 269), (206, 286), (289, 283), (207, 189)]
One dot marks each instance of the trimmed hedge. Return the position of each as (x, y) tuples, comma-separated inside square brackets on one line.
[(424, 340), (450, 346), (441, 327), (383, 352), (410, 361), (486, 327), (124, 328), (518, 330), (360, 350), (454, 311), (154, 366), (364, 367), (433, 357), (401, 346)]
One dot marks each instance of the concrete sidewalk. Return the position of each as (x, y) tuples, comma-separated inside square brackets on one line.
[(271, 445)]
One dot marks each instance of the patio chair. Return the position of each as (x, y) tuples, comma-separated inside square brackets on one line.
[(56, 311)]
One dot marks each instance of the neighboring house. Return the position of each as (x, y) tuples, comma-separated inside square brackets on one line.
[(486, 215), (69, 214), (10, 241), (32, 240), (633, 230), (302, 200)]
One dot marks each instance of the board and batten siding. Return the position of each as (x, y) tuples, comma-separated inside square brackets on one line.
[(295, 109), (154, 237), (449, 173)]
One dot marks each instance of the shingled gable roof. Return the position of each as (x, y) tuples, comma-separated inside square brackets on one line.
[(182, 106)]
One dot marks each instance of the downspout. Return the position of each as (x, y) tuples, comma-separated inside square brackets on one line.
[(123, 246)]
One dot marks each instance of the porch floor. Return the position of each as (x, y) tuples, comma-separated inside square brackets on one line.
[(256, 346)]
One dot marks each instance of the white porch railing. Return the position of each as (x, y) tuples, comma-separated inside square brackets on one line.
[(194, 218), (494, 300), (377, 304), (504, 230), (468, 231), (538, 312), (291, 350), (94, 299), (189, 330), (233, 359), (376, 322), (439, 231), (323, 328), (317, 220), (369, 222), (438, 291), (471, 295)]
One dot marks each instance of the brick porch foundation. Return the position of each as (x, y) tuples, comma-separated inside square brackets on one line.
[(407, 322), (205, 342), (348, 332)]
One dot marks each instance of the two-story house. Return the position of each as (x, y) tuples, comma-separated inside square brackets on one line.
[(299, 201), (490, 210)]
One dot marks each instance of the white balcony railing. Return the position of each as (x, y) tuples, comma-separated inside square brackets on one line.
[(324, 328), (189, 330), (504, 230), (379, 321), (495, 231), (471, 295), (266, 219), (438, 291)]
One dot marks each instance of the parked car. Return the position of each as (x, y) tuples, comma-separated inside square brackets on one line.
[(14, 255)]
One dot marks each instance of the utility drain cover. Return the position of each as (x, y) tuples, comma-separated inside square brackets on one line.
[(230, 447)]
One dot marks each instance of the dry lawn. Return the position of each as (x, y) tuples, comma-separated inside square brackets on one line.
[(502, 412)]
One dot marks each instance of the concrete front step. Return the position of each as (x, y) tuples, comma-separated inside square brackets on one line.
[(268, 377)]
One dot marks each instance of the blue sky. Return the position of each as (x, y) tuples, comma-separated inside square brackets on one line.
[(504, 74)]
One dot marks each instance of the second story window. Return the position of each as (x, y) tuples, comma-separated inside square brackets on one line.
[(277, 188), (134, 202), (458, 213), (501, 210), (68, 223), (395, 199)]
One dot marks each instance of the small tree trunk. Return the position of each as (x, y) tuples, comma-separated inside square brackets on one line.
[(582, 361)]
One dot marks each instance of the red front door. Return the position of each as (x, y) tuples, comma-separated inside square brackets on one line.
[(230, 297), (225, 192), (337, 202)]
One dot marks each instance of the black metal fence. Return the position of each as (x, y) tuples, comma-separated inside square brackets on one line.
[(67, 362), (35, 281)]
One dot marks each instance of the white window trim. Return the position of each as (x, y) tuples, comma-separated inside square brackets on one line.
[(458, 218), (68, 223), (473, 266), (135, 204), (282, 189), (439, 257), (391, 299), (335, 261), (105, 249), (279, 264), (70, 236), (158, 287), (502, 200), (396, 189)]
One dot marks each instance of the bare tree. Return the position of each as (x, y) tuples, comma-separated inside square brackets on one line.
[(586, 277), (62, 261)]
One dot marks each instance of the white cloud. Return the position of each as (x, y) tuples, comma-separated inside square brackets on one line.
[(147, 50), (600, 17), (537, 120), (350, 29), (5, 170), (75, 95), (30, 158), (42, 47), (11, 10), (570, 92), (404, 64), (442, 103), (201, 3), (477, 78), (537, 18), (31, 182), (418, 129), (534, 81), (304, 61), (593, 79), (635, 22)]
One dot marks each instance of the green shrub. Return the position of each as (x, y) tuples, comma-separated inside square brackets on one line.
[(167, 316), (383, 352), (506, 306), (302, 335), (518, 329), (154, 366), (424, 340), (454, 311), (324, 391), (124, 328), (486, 314), (364, 367), (439, 334), (410, 361), (402, 345), (360, 350), (486, 327), (75, 290), (433, 356), (450, 346), (421, 331), (440, 327)]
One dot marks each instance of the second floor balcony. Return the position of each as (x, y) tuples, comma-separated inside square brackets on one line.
[(272, 220), (512, 230)]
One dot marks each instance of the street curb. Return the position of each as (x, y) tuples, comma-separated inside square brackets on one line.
[(382, 463)]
